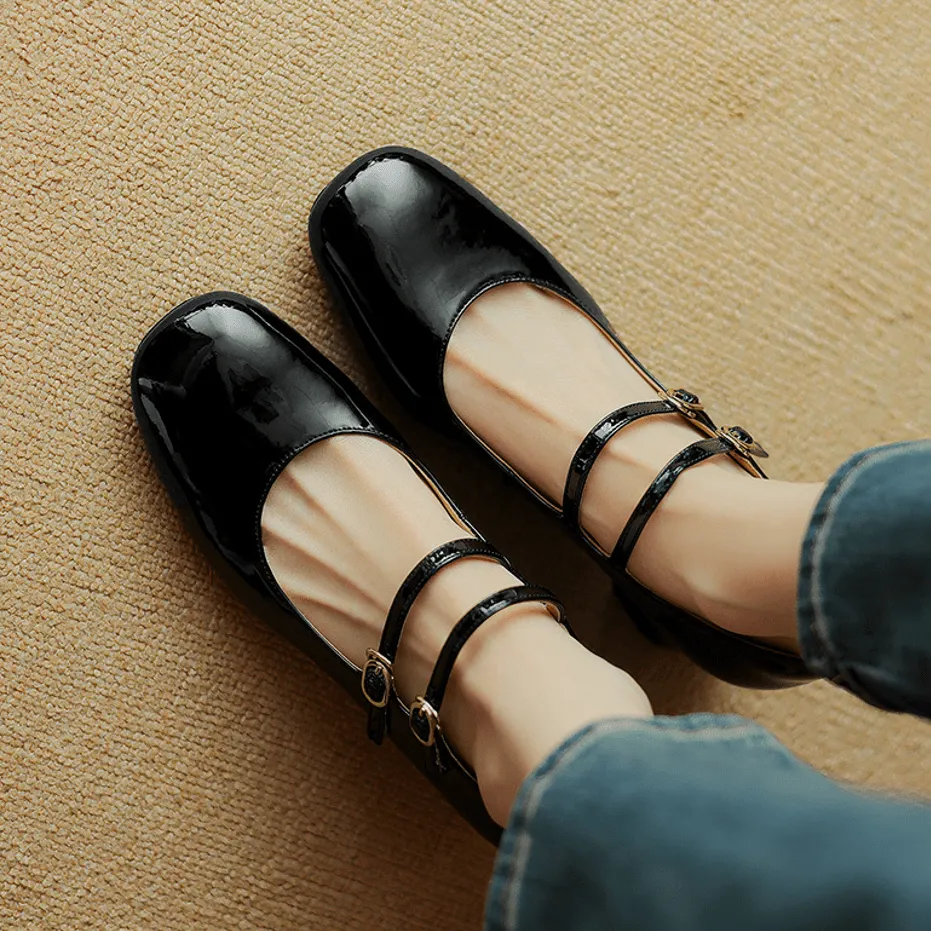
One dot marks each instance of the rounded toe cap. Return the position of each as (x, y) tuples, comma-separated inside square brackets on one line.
[(182, 334), (376, 192)]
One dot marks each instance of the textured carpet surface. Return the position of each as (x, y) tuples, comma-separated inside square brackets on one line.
[(746, 187)]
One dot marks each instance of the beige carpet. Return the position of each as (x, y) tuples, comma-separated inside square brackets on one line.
[(745, 186)]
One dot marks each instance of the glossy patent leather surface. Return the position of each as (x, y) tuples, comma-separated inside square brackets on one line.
[(646, 507), (225, 394), (405, 245)]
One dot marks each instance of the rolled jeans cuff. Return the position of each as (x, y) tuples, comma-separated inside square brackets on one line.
[(864, 596)]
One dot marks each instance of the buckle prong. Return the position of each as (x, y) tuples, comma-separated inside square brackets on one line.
[(742, 442), (684, 401)]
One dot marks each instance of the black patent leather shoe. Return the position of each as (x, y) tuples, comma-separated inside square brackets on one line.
[(226, 394), (405, 245)]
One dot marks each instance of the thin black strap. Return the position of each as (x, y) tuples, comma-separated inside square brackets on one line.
[(690, 456), (377, 675), (594, 443), (425, 709)]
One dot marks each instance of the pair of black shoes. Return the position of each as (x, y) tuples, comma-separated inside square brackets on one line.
[(226, 394)]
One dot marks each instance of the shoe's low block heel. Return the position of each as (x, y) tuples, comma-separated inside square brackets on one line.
[(729, 656), (644, 625)]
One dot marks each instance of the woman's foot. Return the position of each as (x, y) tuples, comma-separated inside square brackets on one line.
[(531, 375), (342, 526)]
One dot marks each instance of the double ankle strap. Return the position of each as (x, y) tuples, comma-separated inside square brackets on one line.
[(378, 684), (733, 441)]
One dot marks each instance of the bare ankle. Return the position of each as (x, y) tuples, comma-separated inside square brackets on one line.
[(523, 692), (727, 548)]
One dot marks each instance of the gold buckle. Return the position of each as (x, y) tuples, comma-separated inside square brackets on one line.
[(421, 707), (684, 401), (376, 664), (742, 442)]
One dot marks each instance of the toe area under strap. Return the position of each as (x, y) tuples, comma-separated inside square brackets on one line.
[(690, 456), (590, 448), (425, 710), (378, 670)]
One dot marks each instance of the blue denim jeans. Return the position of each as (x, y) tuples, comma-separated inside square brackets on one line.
[(707, 821)]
